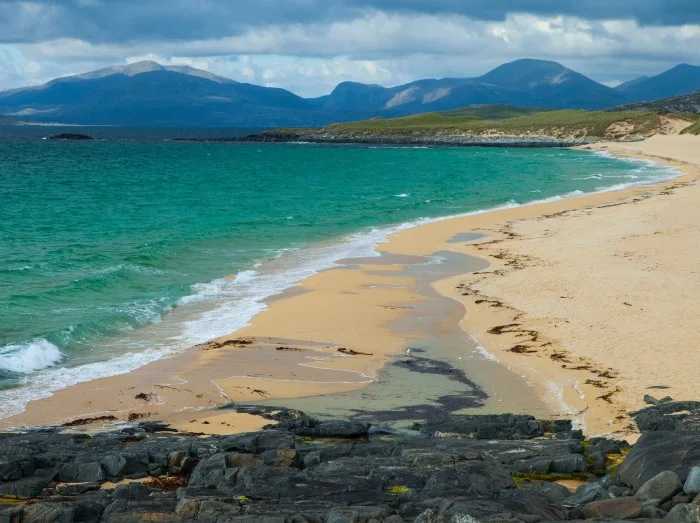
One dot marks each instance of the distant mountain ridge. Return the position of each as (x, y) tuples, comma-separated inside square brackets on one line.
[(681, 79), (148, 93), (685, 103)]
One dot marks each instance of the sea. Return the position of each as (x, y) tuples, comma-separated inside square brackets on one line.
[(119, 251)]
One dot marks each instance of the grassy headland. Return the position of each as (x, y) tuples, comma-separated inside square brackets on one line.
[(557, 124), (497, 125)]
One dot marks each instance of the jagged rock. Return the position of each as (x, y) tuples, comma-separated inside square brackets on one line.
[(552, 491), (692, 484), (113, 465), (11, 513), (660, 488), (684, 513), (218, 511), (675, 416), (656, 452), (326, 429), (427, 516), (619, 508), (25, 487), (496, 426), (357, 514), (210, 472), (276, 475), (75, 489), (48, 513), (618, 491), (586, 494), (81, 473)]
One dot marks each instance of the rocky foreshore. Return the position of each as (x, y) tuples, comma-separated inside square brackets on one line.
[(404, 140), (491, 468)]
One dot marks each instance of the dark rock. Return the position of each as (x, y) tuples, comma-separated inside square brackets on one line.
[(686, 513), (81, 473), (209, 473), (618, 491), (619, 508), (496, 426), (656, 452), (114, 465), (554, 492), (660, 488), (676, 416), (341, 473), (25, 488), (586, 494), (652, 512), (70, 136), (357, 514), (131, 492), (326, 429), (11, 513), (48, 513), (75, 489)]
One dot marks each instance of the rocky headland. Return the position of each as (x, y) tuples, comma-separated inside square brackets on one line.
[(511, 468), (408, 139)]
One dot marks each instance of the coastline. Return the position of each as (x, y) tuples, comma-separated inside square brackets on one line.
[(359, 303)]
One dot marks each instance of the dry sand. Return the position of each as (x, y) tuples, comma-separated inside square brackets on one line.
[(592, 299)]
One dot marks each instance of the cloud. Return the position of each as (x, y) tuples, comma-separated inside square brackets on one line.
[(121, 21), (308, 46)]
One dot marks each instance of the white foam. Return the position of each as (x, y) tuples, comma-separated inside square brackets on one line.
[(44, 384), (32, 356), (402, 195)]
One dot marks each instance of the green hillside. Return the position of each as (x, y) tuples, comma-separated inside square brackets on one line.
[(693, 129), (569, 123)]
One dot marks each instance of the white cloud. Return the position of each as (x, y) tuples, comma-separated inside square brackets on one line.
[(381, 47)]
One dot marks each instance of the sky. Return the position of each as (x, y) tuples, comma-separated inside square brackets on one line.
[(309, 46)]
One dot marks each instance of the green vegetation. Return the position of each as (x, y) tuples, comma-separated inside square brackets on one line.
[(693, 129), (399, 489), (566, 123), (493, 112)]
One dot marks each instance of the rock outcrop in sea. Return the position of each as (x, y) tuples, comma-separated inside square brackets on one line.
[(487, 468), (71, 137)]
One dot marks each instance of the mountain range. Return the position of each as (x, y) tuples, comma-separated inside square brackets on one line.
[(147, 93)]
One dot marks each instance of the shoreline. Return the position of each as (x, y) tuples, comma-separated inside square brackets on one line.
[(345, 289)]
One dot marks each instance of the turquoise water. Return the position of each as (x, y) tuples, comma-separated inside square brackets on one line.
[(115, 252)]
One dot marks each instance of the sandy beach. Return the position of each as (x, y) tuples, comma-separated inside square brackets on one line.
[(574, 308)]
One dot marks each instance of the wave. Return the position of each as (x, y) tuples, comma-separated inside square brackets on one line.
[(44, 384), (24, 358), (228, 304)]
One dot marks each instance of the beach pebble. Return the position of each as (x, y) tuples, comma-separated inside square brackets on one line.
[(692, 484)]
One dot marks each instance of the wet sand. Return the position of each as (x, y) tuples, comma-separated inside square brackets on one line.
[(545, 290)]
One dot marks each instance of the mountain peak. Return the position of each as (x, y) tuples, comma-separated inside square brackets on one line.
[(149, 66), (528, 72)]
